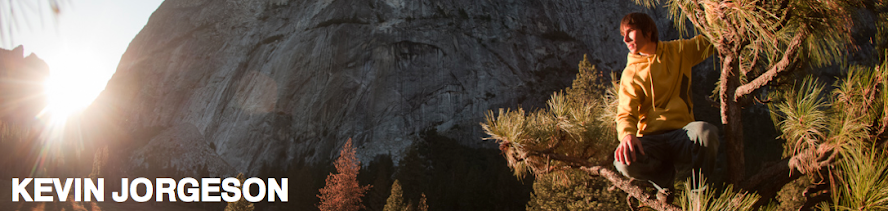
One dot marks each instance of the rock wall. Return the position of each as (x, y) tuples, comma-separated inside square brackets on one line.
[(21, 86), (270, 82), (21, 100)]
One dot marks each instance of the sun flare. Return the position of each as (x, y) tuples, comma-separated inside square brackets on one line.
[(75, 80)]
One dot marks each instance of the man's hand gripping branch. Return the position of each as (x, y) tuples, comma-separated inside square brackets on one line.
[(625, 152)]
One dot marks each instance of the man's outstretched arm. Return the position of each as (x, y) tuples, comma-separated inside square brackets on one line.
[(696, 49)]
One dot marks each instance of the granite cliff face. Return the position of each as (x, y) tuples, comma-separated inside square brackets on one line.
[(273, 82)]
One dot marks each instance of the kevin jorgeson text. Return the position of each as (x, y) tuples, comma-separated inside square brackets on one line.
[(186, 190)]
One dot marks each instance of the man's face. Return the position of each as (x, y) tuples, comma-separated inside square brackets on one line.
[(634, 39)]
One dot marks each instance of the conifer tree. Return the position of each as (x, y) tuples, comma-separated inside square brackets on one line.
[(880, 9), (382, 182), (412, 171), (423, 203), (758, 44), (574, 190), (395, 201), (575, 131), (817, 127), (758, 41), (242, 204), (342, 192)]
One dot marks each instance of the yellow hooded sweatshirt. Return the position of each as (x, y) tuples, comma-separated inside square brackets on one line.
[(654, 93)]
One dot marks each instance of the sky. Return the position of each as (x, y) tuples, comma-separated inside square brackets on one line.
[(82, 44)]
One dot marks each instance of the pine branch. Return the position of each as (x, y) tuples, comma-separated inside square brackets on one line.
[(773, 177), (781, 66), (766, 183), (752, 64), (884, 125), (693, 17), (569, 160), (802, 163), (787, 12), (624, 184), (555, 146), (619, 181), (814, 195)]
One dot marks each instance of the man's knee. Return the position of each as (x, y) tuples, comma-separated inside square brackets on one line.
[(643, 167), (637, 169), (704, 133), (654, 171), (622, 168)]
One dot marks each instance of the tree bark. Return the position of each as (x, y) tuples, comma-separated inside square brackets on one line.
[(731, 118), (781, 66), (624, 184)]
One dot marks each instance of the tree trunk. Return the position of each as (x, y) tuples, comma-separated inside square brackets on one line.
[(730, 117)]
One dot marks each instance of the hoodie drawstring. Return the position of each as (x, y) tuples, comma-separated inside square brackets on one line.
[(653, 96)]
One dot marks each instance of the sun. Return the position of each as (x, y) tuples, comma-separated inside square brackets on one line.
[(75, 80), (66, 96)]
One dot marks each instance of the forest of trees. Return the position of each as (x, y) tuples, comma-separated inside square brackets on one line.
[(436, 173), (768, 52)]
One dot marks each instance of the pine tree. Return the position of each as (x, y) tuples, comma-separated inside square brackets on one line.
[(700, 196), (395, 201), (242, 204), (880, 9), (14, 138), (412, 171), (423, 203), (863, 175), (757, 41), (857, 124), (567, 135), (574, 190), (576, 128), (574, 132), (382, 182), (342, 192)]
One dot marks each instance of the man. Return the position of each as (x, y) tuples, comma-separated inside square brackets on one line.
[(655, 119)]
